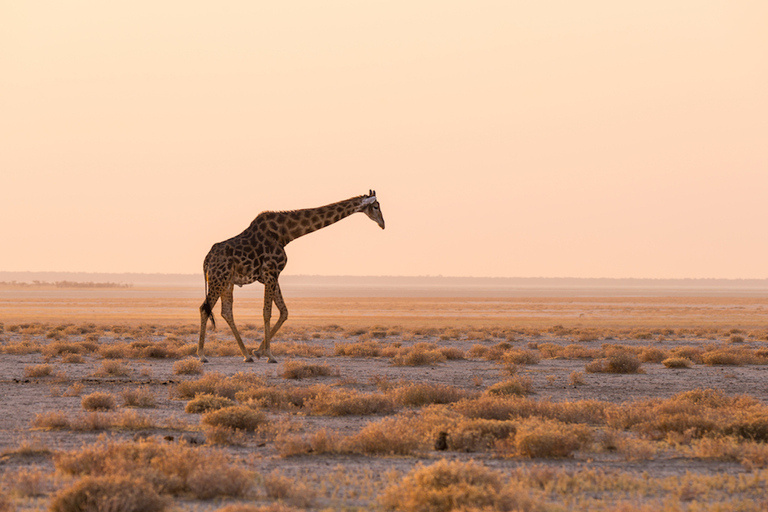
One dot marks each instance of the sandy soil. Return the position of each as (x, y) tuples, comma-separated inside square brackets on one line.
[(24, 397)]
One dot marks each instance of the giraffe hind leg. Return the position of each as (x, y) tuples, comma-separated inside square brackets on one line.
[(226, 312)]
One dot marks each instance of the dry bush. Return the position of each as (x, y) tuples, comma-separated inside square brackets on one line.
[(108, 494), (302, 370), (205, 403), (245, 507), (677, 362), (733, 356), (692, 353), (549, 438), (298, 349), (224, 436), (359, 349), (284, 488), (279, 397), (188, 366), (574, 351), (390, 436), (53, 420), (58, 348), (521, 356), (419, 394), (446, 486), (118, 350), (27, 482), (141, 397), (618, 362), (72, 359), (74, 390), (175, 469), (652, 355), (217, 384), (240, 417), (576, 379), (98, 401), (22, 347), (452, 353), (112, 368), (518, 385), (421, 354), (344, 402), (38, 370)]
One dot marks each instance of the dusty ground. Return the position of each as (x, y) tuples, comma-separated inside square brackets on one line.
[(364, 477)]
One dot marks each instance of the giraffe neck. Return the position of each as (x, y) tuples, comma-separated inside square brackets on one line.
[(301, 222)]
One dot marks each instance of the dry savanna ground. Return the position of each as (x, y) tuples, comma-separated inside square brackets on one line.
[(587, 404)]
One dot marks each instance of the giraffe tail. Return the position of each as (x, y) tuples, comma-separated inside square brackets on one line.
[(205, 307)]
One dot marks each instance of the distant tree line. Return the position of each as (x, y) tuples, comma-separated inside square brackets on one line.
[(62, 284)]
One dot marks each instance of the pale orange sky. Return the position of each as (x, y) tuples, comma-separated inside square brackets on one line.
[(509, 138)]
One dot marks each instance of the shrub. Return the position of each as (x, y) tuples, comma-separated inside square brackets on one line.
[(175, 469), (98, 401), (618, 362), (205, 403), (53, 420), (347, 402), (239, 417), (677, 362), (108, 493), (359, 349), (211, 384), (419, 394), (518, 385), (576, 379), (188, 366), (446, 486), (38, 370), (139, 397), (521, 356), (652, 355), (548, 439), (301, 370), (418, 355), (112, 368)]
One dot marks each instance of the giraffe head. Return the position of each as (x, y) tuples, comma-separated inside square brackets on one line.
[(370, 206)]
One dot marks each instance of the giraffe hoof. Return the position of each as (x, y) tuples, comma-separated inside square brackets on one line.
[(248, 360), (273, 360), (203, 359)]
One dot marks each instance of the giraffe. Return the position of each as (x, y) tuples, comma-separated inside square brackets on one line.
[(258, 254)]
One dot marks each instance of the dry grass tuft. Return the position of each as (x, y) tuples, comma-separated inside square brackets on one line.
[(206, 403), (619, 362), (344, 402), (421, 354), (302, 370), (174, 469), (239, 417), (98, 401), (38, 370), (518, 385), (420, 394), (284, 488), (446, 486), (359, 349), (549, 438), (109, 494), (189, 366), (112, 368), (677, 362), (141, 397)]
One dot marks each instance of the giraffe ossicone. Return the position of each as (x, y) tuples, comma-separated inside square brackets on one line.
[(258, 254)]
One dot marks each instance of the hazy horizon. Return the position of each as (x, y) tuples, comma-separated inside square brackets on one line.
[(589, 139)]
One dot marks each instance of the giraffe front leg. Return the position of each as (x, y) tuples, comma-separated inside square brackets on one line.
[(226, 312), (205, 313), (264, 350)]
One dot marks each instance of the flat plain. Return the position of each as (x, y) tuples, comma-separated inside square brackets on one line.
[(526, 403)]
